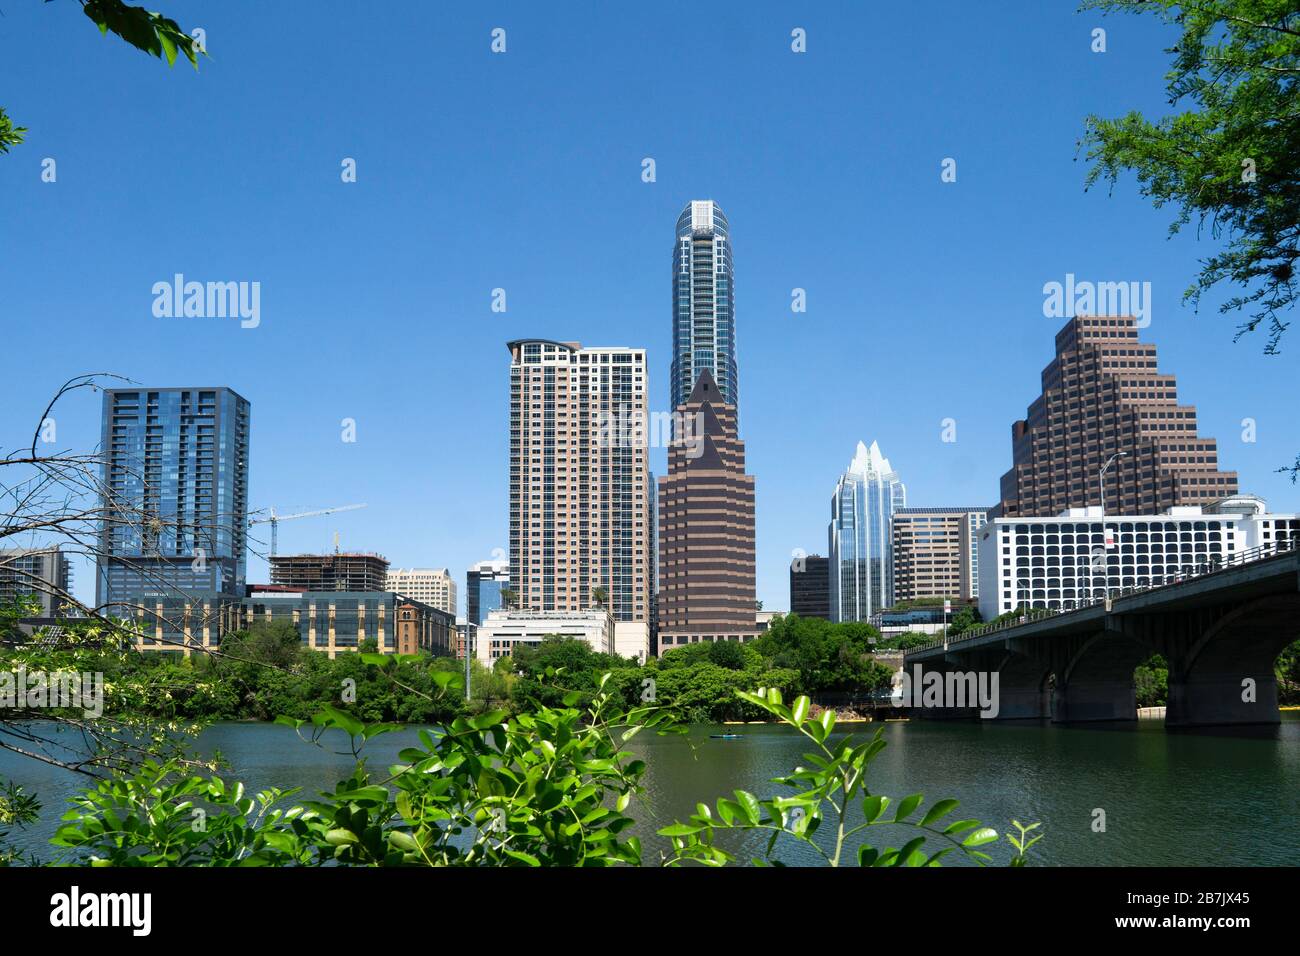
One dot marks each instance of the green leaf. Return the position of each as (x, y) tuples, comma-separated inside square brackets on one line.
[(749, 806), (800, 711), (907, 806), (940, 809), (980, 837), (873, 807)]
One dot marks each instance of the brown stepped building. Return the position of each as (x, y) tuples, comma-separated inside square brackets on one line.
[(706, 527), (1103, 396)]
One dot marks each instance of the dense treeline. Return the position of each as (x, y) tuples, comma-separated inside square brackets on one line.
[(265, 672), (699, 681)]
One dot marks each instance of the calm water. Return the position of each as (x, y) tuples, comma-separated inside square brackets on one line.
[(1170, 799)]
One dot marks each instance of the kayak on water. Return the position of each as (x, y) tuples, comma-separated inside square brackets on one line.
[(726, 736)]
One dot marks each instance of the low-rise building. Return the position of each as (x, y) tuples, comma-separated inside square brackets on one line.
[(1083, 555), (331, 622), (502, 630)]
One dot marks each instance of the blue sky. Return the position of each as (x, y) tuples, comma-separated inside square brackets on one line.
[(523, 171)]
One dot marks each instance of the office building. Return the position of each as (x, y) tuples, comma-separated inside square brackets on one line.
[(859, 536), (502, 630), (44, 574), (706, 527), (1103, 396), (432, 586), (936, 553), (704, 328), (483, 586), (810, 594), (331, 622), (579, 479), (176, 494), (1081, 555), (346, 571)]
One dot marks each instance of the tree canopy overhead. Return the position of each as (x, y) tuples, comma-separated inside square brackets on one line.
[(1231, 159)]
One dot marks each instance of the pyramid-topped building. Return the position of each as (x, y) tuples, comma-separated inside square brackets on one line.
[(706, 526), (1103, 398)]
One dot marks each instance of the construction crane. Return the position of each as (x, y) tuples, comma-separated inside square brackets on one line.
[(274, 519)]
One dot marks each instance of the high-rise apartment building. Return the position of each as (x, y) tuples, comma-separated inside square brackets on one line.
[(936, 553), (859, 536), (432, 586), (346, 571), (810, 584), (176, 494), (579, 480), (42, 573), (483, 586), (706, 527), (704, 326), (1103, 396)]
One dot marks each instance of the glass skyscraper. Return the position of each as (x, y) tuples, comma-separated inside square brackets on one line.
[(859, 536), (704, 321), (483, 585), (176, 484)]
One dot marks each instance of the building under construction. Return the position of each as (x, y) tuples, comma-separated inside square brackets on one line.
[(353, 571)]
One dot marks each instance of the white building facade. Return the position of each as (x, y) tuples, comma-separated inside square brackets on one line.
[(1081, 555), (433, 586), (502, 630)]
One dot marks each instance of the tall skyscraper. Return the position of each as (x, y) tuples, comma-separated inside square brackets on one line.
[(936, 552), (706, 527), (704, 322), (483, 586), (579, 479), (1102, 395), (432, 586), (860, 536), (176, 479)]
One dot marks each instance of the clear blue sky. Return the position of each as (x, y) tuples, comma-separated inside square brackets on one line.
[(522, 171)]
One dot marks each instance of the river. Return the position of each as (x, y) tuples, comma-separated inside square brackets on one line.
[(1208, 798)]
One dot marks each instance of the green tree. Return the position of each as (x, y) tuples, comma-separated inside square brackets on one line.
[(1232, 160), (1151, 678)]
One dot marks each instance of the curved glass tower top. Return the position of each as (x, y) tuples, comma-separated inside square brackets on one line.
[(704, 329)]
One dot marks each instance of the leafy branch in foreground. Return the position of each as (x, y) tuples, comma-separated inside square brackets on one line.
[(828, 793), (543, 789), (144, 29)]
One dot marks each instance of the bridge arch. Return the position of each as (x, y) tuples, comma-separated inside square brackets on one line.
[(1096, 681), (1226, 674)]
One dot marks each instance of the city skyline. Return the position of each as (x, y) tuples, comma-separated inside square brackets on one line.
[(852, 216)]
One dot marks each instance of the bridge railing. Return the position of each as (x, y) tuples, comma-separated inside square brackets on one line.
[(1189, 572)]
